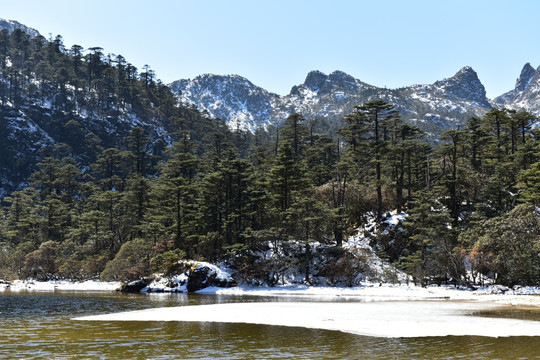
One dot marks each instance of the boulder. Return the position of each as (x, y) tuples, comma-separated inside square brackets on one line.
[(135, 286), (204, 275)]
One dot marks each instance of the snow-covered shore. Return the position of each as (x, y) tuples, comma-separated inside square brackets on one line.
[(59, 285), (366, 292)]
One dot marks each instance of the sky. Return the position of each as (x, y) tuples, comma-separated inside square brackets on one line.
[(275, 43)]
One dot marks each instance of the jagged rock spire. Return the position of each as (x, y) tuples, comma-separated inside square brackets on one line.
[(525, 77), (465, 85)]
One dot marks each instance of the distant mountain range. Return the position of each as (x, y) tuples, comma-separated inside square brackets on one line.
[(435, 107)]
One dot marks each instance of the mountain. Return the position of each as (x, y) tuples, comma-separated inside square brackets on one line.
[(230, 97), (61, 103), (436, 107), (526, 94), (11, 25)]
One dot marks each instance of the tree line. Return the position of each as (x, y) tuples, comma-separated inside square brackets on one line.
[(126, 210), (469, 200)]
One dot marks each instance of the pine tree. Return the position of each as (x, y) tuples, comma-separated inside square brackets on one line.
[(453, 154), (285, 177), (430, 241), (321, 158), (375, 115), (306, 219), (404, 142), (529, 185), (295, 133), (138, 141), (177, 192)]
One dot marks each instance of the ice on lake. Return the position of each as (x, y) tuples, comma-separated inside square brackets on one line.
[(380, 318)]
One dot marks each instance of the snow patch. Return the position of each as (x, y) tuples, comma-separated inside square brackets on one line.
[(61, 285)]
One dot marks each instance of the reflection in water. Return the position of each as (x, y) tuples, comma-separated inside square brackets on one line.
[(37, 325)]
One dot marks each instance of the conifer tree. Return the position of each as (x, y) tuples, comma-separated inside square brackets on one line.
[(286, 176), (307, 218), (404, 142), (376, 114), (450, 176), (529, 185), (295, 132), (176, 190), (430, 240)]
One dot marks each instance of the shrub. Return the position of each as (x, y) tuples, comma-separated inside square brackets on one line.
[(347, 267), (40, 264), (507, 246), (167, 262), (15, 260), (94, 265), (130, 263)]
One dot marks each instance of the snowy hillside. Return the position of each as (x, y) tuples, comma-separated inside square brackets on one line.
[(11, 25), (231, 97)]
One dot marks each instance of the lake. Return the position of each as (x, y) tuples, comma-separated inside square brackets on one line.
[(39, 325)]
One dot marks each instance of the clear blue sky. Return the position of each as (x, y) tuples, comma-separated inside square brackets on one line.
[(275, 43)]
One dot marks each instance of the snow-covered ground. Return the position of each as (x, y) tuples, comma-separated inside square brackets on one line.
[(366, 292), (62, 285), (369, 292)]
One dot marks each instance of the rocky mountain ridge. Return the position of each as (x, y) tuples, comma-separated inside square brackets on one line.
[(436, 107), (526, 94), (444, 104)]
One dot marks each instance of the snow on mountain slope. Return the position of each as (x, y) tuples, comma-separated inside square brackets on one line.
[(464, 86), (445, 104), (11, 25), (229, 97), (526, 94)]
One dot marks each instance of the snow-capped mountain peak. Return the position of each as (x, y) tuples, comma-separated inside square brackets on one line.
[(230, 97), (320, 83)]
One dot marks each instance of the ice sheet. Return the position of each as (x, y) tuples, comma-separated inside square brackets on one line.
[(381, 319)]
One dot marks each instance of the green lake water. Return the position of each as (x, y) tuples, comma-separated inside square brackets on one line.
[(38, 325)]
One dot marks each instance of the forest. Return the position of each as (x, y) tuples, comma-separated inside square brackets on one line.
[(122, 206)]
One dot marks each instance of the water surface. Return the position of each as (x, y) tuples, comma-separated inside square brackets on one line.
[(38, 326)]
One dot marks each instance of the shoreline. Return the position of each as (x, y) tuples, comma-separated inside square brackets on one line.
[(371, 292), (368, 292), (57, 285)]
